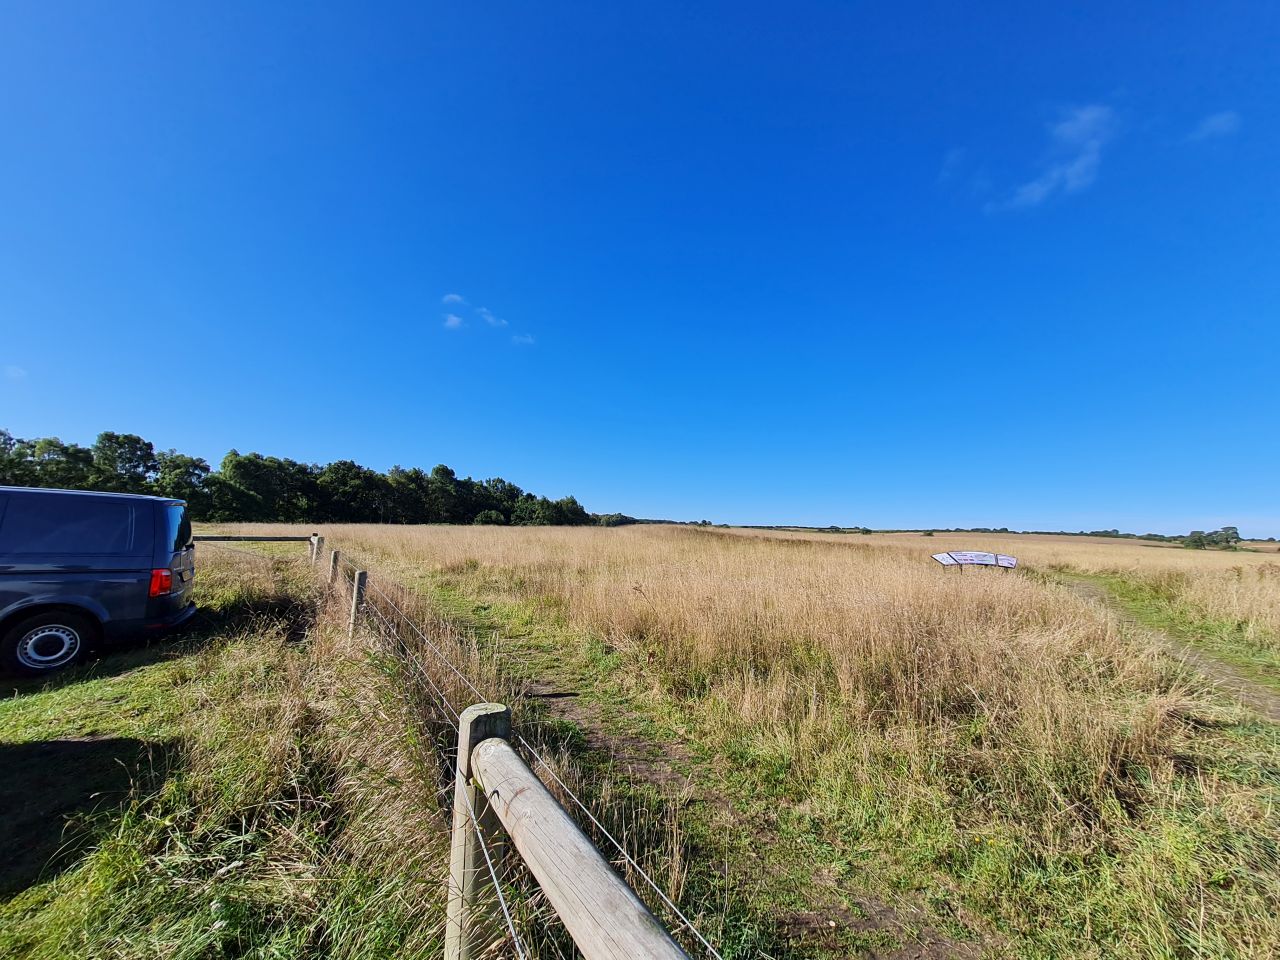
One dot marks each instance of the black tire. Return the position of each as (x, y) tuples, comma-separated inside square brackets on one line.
[(44, 643)]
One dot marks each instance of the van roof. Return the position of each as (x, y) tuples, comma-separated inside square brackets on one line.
[(103, 494)]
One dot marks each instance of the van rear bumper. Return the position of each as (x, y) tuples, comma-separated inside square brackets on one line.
[(126, 628)]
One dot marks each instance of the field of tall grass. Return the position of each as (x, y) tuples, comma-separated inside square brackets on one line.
[(988, 746), (1237, 587)]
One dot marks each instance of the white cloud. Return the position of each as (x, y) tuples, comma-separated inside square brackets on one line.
[(453, 298), (14, 372), (487, 316), (1222, 124), (522, 340), (452, 321), (1075, 153)]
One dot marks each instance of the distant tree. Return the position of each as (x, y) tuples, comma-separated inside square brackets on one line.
[(184, 478), (569, 512), (614, 519), (67, 466), (288, 491), (1226, 536), (228, 502), (532, 511), (492, 518), (500, 494), (927, 533), (16, 469), (446, 497), (350, 493), (410, 495), (541, 512), (255, 487)]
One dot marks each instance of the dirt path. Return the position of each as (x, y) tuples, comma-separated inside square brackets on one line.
[(1249, 692)]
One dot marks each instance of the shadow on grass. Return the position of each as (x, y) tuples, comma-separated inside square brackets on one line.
[(141, 650), (51, 792)]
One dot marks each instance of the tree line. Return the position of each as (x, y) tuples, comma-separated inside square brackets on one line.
[(251, 487)]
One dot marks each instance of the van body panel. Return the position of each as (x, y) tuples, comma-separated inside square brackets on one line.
[(95, 552)]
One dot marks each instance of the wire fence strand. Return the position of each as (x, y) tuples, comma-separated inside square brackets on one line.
[(685, 921), (442, 657), (493, 874)]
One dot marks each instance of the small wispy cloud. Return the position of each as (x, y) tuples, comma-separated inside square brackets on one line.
[(14, 372), (1222, 124), (952, 164), (468, 316), (1073, 158)]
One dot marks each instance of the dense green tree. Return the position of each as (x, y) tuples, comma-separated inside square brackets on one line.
[(1227, 536), (288, 491), (251, 486), (447, 497), (410, 495), (184, 478), (123, 462), (16, 469), (228, 502), (350, 493), (67, 466)]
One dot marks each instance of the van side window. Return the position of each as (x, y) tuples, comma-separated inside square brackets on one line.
[(49, 524), (179, 526)]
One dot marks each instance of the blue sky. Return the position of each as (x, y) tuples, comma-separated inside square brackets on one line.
[(897, 265)]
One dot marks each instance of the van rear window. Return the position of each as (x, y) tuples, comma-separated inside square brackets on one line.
[(49, 524), (179, 526)]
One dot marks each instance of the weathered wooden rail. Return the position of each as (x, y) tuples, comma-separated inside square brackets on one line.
[(495, 788), (316, 541), (220, 538)]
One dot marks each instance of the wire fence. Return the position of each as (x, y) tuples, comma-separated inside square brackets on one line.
[(386, 605), (439, 680)]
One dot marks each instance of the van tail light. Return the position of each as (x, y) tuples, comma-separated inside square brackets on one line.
[(161, 582)]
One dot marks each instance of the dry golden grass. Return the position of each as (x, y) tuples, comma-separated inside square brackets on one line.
[(990, 727), (1237, 587)]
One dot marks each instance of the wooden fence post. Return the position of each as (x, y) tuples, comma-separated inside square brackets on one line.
[(357, 598), (468, 870), (333, 566), (317, 547)]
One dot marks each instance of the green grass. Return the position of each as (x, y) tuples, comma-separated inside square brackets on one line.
[(1156, 604), (248, 821)]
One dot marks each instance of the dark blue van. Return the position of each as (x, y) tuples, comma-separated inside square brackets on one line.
[(77, 568)]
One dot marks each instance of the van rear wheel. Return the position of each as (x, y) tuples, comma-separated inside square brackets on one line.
[(45, 642)]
